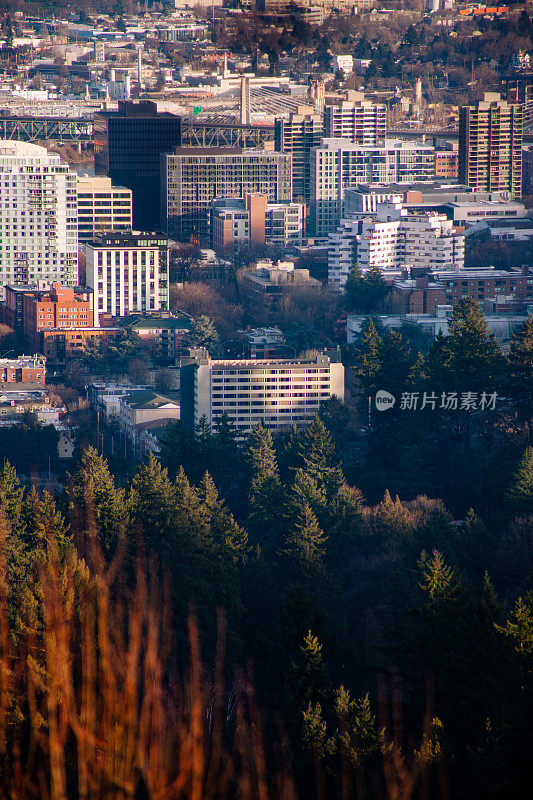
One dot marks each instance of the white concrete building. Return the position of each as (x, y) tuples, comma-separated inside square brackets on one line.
[(119, 84), (343, 63), (339, 164), (38, 217), (366, 202), (431, 240), (127, 272), (367, 242), (359, 121), (102, 207), (470, 212), (276, 392), (391, 240), (284, 223)]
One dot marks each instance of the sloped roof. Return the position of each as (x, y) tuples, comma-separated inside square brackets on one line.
[(148, 399), (138, 323)]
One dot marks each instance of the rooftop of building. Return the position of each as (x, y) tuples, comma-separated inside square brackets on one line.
[(425, 187), (147, 400), (201, 356), (31, 387), (483, 203), (411, 283), (11, 147), (264, 334), (81, 329), (389, 144), (25, 288), (472, 274), (36, 361), (133, 239), (224, 151), (526, 223), (99, 183), (141, 322), (145, 109)]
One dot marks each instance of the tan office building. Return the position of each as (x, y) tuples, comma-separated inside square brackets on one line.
[(102, 207), (490, 145)]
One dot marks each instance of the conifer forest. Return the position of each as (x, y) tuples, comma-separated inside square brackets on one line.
[(314, 614)]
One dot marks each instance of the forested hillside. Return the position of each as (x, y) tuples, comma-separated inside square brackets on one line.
[(244, 619)]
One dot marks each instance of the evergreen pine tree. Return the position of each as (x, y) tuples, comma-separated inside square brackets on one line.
[(365, 293), (226, 455), (367, 356), (226, 533), (94, 476), (290, 454), (396, 363), (357, 734), (353, 289), (335, 416), (319, 458), (375, 290), (437, 580), (521, 366), (476, 362), (392, 519), (306, 491), (204, 334), (178, 448), (344, 523), (152, 502), (519, 629), (11, 497), (520, 493), (312, 682), (266, 495), (306, 543)]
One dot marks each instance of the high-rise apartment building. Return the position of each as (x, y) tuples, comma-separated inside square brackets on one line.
[(339, 164), (102, 207), (393, 239), (359, 121), (490, 145), (277, 392), (128, 273), (192, 177), (296, 136), (38, 216), (128, 147)]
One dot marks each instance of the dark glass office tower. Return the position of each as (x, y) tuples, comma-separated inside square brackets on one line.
[(128, 145)]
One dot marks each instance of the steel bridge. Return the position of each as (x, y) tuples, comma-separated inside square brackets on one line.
[(36, 129), (220, 134), (81, 129)]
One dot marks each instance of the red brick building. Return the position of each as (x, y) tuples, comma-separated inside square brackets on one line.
[(62, 344), (423, 294), (447, 164), (54, 320), (59, 307), (24, 369), (418, 296), (484, 284)]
